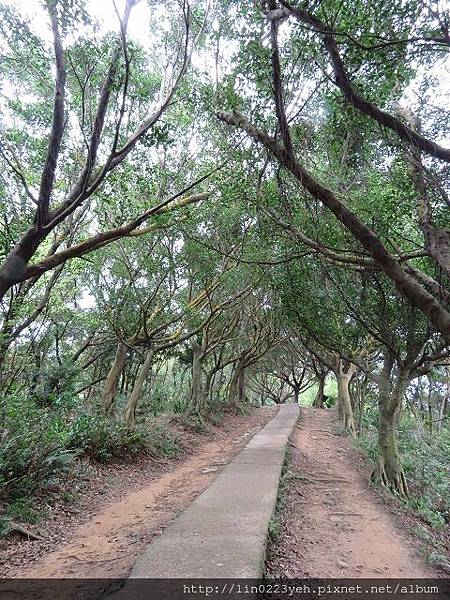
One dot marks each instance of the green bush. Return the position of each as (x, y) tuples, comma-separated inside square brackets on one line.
[(103, 438), (330, 401), (33, 446), (425, 462), (160, 441), (38, 446), (23, 509), (94, 436)]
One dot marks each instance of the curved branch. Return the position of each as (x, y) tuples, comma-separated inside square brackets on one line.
[(106, 237), (404, 282), (54, 144), (342, 80)]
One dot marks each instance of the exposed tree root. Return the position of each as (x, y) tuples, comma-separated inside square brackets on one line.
[(15, 527), (349, 424), (392, 479)]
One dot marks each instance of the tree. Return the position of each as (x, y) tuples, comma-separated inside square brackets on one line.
[(51, 212), (282, 147)]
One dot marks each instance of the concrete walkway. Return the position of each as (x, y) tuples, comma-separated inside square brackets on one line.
[(223, 533)]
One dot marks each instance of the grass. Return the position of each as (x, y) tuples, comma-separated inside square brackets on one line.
[(438, 559), (274, 529)]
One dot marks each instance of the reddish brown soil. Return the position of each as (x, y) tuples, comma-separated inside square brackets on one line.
[(125, 508), (332, 524)]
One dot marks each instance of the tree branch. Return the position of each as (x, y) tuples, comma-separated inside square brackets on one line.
[(407, 286), (57, 131), (342, 80)]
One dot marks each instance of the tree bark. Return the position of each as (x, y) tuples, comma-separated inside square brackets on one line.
[(197, 395), (112, 380), (320, 396), (389, 471), (133, 399)]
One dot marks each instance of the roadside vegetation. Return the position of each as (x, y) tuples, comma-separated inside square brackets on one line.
[(426, 464)]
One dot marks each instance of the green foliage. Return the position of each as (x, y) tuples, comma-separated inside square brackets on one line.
[(432, 517), (41, 448), (101, 438), (439, 558), (33, 446), (330, 390), (5, 525), (23, 509), (169, 390), (305, 276), (425, 462)]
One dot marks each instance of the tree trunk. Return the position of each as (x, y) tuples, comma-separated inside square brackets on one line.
[(443, 411), (13, 268), (241, 385), (389, 470), (362, 390), (444, 405), (218, 385), (197, 397), (110, 389), (320, 396), (237, 384), (344, 403), (133, 399), (208, 385)]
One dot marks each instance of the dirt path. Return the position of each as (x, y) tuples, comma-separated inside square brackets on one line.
[(107, 544), (332, 524)]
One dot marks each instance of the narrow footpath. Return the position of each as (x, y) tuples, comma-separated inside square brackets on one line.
[(223, 532), (332, 523), (115, 531), (208, 516)]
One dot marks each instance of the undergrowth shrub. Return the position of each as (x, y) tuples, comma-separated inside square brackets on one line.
[(102, 438), (193, 422), (39, 446), (33, 444), (160, 440), (425, 460)]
